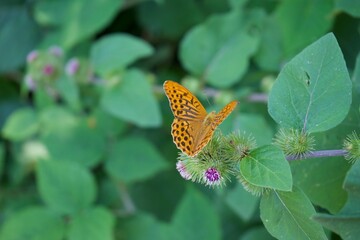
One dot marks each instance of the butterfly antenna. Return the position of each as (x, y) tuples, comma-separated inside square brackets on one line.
[(207, 96)]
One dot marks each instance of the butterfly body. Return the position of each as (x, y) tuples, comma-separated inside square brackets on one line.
[(192, 127)]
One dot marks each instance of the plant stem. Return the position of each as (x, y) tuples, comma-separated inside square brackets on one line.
[(258, 97), (318, 154), (129, 207), (212, 93)]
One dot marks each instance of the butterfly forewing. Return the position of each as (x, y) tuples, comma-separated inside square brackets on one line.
[(208, 130), (222, 115), (183, 103)]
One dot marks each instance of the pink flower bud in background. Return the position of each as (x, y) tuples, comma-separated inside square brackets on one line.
[(182, 170), (32, 56), (56, 51), (212, 176), (72, 66), (29, 82), (48, 69)]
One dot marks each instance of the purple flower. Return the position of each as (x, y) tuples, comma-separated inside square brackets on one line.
[(29, 82), (212, 176), (48, 69), (32, 56), (182, 170), (56, 51), (72, 66)]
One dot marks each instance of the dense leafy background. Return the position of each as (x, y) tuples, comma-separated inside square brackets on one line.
[(98, 162)]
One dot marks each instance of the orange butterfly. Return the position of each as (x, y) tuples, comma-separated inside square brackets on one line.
[(192, 127)]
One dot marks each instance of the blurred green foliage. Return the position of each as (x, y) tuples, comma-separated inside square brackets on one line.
[(86, 150)]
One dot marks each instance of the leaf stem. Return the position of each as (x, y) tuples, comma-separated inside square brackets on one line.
[(318, 154)]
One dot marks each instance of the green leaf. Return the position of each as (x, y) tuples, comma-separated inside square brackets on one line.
[(257, 233), (33, 223), (65, 187), (312, 176), (346, 226), (56, 117), (21, 124), (18, 168), (75, 21), (144, 227), (195, 218), (19, 34), (92, 224), (133, 100), (219, 49), (267, 167), (346, 222), (237, 3), (134, 159), (303, 96), (270, 54), (356, 79), (146, 194), (286, 215), (78, 143), (108, 193), (349, 6), (69, 91), (352, 186), (167, 19), (9, 101), (301, 22), (255, 125), (43, 99), (2, 158), (107, 124), (243, 203), (117, 51)]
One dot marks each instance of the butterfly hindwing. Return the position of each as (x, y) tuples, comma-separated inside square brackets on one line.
[(206, 134), (182, 133)]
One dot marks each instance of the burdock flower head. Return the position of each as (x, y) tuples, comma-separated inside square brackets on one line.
[(44, 67), (209, 167), (214, 165), (180, 166), (352, 146), (212, 177), (48, 70)]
